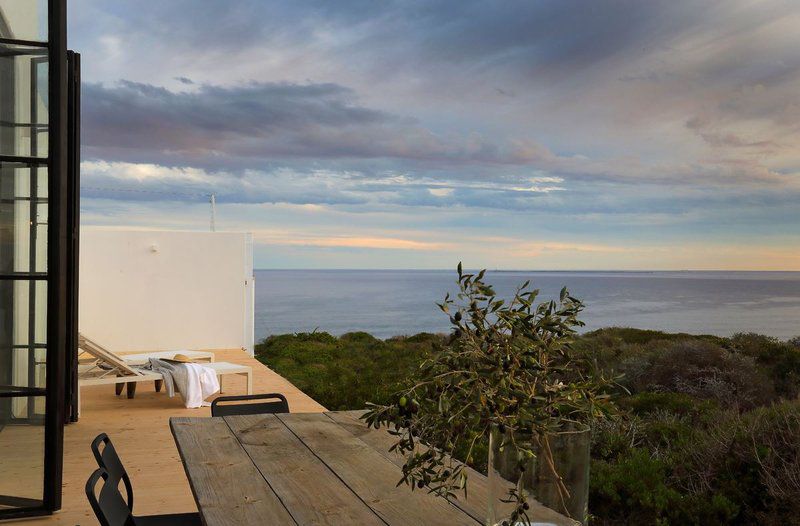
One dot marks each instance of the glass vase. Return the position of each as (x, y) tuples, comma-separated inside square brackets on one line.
[(557, 476)]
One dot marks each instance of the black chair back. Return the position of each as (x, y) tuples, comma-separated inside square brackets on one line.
[(278, 404), (108, 505), (106, 456)]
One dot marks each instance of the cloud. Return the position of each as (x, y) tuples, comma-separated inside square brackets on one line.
[(152, 182), (597, 124), (249, 124), (254, 125), (350, 242), (255, 118)]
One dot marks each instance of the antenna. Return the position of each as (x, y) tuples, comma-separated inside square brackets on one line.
[(213, 212)]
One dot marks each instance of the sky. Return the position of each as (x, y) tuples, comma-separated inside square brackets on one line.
[(417, 134)]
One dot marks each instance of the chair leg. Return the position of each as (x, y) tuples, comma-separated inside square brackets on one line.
[(118, 388), (159, 383), (131, 389)]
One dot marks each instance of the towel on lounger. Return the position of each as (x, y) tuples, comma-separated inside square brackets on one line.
[(193, 381)]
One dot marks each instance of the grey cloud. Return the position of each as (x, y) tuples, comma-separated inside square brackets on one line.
[(257, 119), (263, 125), (641, 107), (253, 123)]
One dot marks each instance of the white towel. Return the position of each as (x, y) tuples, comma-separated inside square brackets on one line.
[(193, 381), (201, 382)]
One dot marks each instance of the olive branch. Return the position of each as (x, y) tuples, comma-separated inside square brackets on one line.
[(508, 370)]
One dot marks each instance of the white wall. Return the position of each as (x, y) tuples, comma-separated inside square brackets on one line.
[(166, 290)]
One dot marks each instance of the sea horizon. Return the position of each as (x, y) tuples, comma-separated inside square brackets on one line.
[(393, 302), (477, 269)]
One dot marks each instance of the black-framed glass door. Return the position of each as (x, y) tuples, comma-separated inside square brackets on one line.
[(34, 254)]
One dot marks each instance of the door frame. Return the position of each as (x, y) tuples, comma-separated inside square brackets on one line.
[(59, 239)]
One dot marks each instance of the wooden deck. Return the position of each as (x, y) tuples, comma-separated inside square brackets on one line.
[(140, 431)]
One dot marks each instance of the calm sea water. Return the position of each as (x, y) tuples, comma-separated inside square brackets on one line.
[(392, 302)]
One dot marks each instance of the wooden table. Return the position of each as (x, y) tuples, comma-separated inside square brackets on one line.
[(313, 468)]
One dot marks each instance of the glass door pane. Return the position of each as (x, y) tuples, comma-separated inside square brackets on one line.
[(24, 210), (24, 20), (21, 456)]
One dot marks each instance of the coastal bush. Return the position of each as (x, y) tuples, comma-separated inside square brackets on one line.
[(348, 371), (676, 403), (752, 459), (781, 360), (637, 490), (642, 336), (710, 431), (703, 370)]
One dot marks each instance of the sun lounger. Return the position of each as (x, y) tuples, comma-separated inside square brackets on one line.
[(85, 344), (144, 357), (106, 367), (225, 368), (221, 368)]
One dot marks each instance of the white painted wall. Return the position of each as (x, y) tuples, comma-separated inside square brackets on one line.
[(166, 290)]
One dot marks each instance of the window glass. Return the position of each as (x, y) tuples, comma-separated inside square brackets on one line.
[(23, 19), (23, 218), (23, 101), (24, 94), (23, 334), (21, 451)]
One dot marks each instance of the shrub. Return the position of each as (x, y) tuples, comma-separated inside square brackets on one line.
[(676, 403), (346, 372), (612, 438), (661, 421), (703, 370), (780, 360), (680, 455), (636, 490), (359, 338), (752, 459)]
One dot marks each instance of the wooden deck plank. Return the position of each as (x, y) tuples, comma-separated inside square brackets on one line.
[(370, 475), (475, 502), (226, 485), (310, 491), (141, 434), (140, 431)]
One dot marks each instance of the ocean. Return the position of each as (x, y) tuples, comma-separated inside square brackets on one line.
[(395, 302)]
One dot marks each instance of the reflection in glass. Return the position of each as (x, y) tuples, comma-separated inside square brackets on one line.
[(24, 89), (23, 19), (23, 218), (23, 101), (21, 456), (23, 333)]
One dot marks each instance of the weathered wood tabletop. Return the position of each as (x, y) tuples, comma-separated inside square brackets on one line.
[(313, 468)]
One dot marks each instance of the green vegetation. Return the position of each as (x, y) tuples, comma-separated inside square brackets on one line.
[(710, 430), (506, 378), (349, 371)]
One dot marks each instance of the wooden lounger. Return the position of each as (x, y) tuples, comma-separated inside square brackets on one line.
[(221, 368), (107, 368)]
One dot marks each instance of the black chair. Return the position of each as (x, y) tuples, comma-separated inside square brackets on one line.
[(279, 404), (111, 509), (110, 461)]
